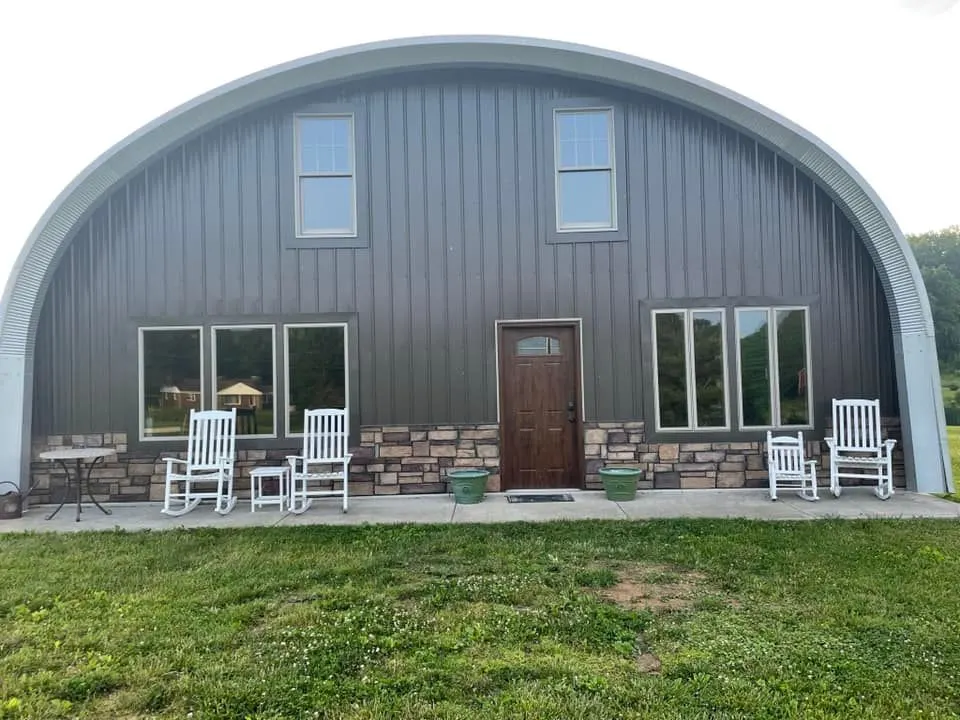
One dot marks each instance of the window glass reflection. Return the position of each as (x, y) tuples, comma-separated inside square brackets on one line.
[(316, 371), (244, 370), (171, 381)]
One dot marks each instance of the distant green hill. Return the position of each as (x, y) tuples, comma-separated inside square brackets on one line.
[(938, 255)]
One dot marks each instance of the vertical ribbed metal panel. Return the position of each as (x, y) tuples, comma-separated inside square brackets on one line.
[(18, 313), (456, 171)]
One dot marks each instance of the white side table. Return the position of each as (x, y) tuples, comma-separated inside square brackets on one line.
[(257, 498)]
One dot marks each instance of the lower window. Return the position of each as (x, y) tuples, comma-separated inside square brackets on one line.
[(690, 369), (171, 380), (316, 359), (245, 375), (773, 353)]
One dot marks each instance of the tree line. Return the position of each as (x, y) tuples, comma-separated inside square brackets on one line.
[(938, 255)]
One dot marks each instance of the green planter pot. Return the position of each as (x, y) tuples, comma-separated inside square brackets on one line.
[(468, 485), (620, 483)]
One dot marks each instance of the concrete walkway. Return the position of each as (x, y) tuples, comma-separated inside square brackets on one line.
[(650, 504)]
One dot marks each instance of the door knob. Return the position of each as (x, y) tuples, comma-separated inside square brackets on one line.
[(571, 411)]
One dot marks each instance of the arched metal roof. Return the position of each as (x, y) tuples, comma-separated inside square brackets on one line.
[(909, 307)]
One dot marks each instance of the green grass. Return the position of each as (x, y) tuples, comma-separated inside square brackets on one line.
[(953, 436), (846, 619), (950, 385)]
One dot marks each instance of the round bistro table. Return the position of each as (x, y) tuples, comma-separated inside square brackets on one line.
[(78, 455)]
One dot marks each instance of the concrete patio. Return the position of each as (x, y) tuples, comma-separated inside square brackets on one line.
[(854, 503)]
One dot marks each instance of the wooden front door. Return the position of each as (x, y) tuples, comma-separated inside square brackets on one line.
[(540, 407)]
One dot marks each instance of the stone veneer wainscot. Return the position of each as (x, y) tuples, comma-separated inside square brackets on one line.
[(393, 460), (388, 461), (698, 465)]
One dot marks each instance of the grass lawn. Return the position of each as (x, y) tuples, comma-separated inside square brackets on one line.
[(669, 619), (953, 436), (950, 385)]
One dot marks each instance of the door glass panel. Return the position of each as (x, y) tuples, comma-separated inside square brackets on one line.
[(540, 345)]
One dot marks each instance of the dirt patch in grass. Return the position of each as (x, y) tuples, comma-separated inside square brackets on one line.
[(658, 588), (648, 663)]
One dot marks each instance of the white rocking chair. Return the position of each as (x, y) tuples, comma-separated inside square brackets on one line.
[(857, 443), (788, 467), (210, 458), (325, 443)]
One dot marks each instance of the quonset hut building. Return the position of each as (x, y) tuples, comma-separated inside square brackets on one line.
[(528, 255)]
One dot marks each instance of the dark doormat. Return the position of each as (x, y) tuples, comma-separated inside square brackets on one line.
[(540, 498)]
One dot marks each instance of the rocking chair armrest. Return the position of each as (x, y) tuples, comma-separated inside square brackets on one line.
[(292, 460), (889, 444), (169, 460), (829, 442)]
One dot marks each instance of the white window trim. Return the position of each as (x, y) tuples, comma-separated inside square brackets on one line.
[(300, 173), (773, 367), (213, 371), (286, 369), (693, 424), (141, 406), (611, 167)]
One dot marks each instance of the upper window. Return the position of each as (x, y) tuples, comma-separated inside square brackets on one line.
[(774, 356), (316, 367), (171, 380), (584, 152), (690, 369), (326, 179), (244, 374)]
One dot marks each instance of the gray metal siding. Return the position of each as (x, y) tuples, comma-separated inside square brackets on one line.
[(454, 171)]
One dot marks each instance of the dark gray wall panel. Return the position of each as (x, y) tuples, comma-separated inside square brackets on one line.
[(453, 239)]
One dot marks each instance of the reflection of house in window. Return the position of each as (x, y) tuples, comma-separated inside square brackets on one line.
[(170, 379), (185, 394), (244, 394), (253, 401), (245, 371)]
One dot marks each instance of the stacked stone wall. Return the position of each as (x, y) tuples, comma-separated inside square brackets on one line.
[(702, 464), (392, 460), (388, 461)]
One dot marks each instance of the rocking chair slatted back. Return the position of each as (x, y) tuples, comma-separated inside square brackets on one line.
[(856, 425), (325, 436), (785, 454), (788, 466), (212, 438)]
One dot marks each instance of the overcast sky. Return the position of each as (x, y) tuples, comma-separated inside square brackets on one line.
[(878, 80)]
